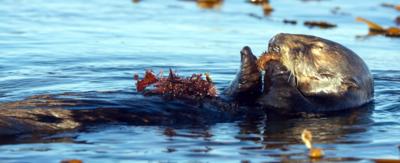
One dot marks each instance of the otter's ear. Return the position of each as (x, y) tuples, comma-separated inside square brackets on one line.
[(351, 83)]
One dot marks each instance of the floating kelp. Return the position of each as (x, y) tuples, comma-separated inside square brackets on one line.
[(258, 2), (377, 29), (371, 25), (306, 137), (209, 4), (287, 21), (386, 161), (174, 86), (266, 6), (312, 0), (389, 5), (320, 24), (393, 32), (72, 161)]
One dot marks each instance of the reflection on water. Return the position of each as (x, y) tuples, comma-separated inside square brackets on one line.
[(51, 48), (254, 136)]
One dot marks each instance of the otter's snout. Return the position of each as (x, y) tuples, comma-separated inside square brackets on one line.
[(246, 55)]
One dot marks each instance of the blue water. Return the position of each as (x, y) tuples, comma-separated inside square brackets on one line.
[(57, 47)]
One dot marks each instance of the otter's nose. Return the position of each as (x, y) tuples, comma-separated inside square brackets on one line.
[(246, 51), (248, 59), (246, 54)]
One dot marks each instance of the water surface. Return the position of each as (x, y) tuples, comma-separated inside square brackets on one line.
[(93, 48)]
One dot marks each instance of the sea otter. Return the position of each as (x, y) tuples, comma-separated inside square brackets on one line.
[(303, 74)]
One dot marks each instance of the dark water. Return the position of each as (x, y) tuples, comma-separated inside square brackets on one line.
[(93, 48)]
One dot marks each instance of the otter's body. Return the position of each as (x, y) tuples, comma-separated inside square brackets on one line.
[(302, 74), (311, 74)]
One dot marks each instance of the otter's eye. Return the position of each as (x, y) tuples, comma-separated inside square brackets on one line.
[(276, 49)]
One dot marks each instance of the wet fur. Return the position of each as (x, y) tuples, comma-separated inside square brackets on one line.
[(247, 85), (310, 74)]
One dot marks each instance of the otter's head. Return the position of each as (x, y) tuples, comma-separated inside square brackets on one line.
[(316, 65), (307, 72)]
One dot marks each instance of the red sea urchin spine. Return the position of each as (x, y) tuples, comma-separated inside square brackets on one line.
[(175, 86), (149, 78)]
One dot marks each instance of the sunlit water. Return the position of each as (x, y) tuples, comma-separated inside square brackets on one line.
[(94, 47)]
